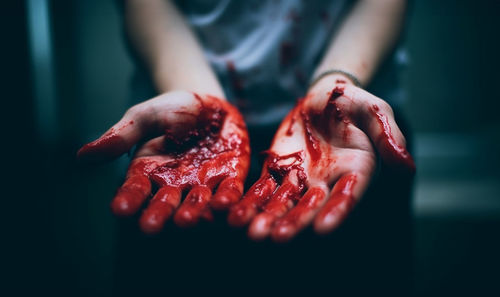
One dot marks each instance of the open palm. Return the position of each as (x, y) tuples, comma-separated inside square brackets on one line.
[(320, 163), (187, 144)]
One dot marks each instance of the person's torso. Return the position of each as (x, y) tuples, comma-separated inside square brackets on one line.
[(265, 51)]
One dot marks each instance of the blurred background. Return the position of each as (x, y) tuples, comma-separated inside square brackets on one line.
[(66, 77)]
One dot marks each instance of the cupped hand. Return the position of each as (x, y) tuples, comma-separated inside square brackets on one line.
[(320, 162), (189, 145)]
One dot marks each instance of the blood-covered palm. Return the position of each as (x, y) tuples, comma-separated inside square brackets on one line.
[(202, 155), (205, 148), (319, 164)]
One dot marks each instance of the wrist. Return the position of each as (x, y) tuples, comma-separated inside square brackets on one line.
[(198, 83), (329, 81)]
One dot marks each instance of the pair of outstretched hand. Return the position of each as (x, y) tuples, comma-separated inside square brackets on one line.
[(318, 166)]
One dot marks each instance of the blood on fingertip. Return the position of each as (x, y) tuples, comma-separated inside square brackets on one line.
[(338, 206), (193, 207), (160, 208), (107, 147), (283, 232), (228, 193), (184, 219), (391, 151), (259, 194)]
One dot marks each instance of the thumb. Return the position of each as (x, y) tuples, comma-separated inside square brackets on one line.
[(112, 144)]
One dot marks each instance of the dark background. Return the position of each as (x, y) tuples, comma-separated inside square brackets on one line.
[(65, 83)]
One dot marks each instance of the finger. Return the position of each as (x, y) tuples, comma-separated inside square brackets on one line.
[(342, 199), (160, 208), (279, 204), (376, 119), (228, 193), (382, 129), (131, 195), (175, 117), (115, 142), (300, 216), (207, 215), (241, 213), (193, 206)]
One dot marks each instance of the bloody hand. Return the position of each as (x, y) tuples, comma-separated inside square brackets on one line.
[(190, 144), (320, 162)]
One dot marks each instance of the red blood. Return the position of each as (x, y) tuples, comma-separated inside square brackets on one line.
[(291, 122), (193, 206), (293, 161), (277, 167), (160, 208), (107, 147), (320, 121), (202, 156), (338, 206), (336, 92), (332, 109), (236, 80), (131, 195), (292, 116), (299, 216), (229, 192), (288, 192), (255, 197), (312, 142), (391, 151), (281, 201), (230, 66), (343, 191)]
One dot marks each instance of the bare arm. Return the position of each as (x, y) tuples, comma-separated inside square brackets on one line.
[(368, 33), (159, 34), (323, 155)]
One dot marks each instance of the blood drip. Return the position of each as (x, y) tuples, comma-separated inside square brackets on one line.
[(391, 151)]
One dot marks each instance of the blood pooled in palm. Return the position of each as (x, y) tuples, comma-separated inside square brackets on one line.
[(202, 155)]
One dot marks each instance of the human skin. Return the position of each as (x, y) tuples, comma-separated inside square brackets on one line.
[(321, 162), (189, 145), (321, 151), (324, 153), (210, 165)]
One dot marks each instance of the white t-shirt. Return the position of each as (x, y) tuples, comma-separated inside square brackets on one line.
[(264, 52)]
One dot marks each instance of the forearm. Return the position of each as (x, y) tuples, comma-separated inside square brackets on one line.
[(161, 37), (368, 33)]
